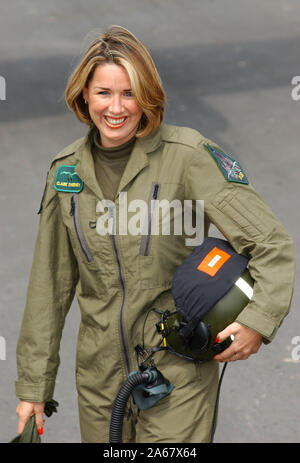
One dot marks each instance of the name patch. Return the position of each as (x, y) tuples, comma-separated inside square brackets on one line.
[(67, 180)]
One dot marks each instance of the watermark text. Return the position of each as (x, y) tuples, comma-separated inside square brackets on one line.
[(295, 94), (2, 348), (137, 217), (296, 350), (2, 88)]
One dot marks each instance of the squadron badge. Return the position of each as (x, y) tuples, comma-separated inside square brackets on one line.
[(229, 167)]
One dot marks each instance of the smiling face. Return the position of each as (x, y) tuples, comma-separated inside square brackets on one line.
[(112, 106)]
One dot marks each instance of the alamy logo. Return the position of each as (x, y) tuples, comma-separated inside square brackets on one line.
[(2, 348), (2, 88), (295, 94), (296, 349), (137, 217)]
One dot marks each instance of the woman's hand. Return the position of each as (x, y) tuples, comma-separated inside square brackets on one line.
[(25, 410), (246, 342)]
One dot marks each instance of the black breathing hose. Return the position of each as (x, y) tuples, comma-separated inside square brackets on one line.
[(134, 380), (118, 411)]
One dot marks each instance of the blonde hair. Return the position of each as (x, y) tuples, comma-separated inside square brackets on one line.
[(118, 45)]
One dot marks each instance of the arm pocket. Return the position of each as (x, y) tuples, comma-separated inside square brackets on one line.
[(247, 211)]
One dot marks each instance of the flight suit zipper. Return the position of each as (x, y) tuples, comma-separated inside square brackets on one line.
[(124, 344), (75, 213), (146, 238), (111, 213)]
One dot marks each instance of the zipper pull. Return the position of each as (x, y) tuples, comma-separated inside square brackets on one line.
[(130, 413), (111, 214), (72, 206), (155, 191)]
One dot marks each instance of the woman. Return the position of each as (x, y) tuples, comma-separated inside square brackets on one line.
[(118, 276)]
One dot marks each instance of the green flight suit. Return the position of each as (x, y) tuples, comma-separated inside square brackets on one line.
[(119, 277)]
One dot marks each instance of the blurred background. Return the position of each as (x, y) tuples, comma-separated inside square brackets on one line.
[(227, 68)]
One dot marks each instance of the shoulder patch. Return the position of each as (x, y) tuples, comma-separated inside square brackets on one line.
[(67, 180), (229, 167)]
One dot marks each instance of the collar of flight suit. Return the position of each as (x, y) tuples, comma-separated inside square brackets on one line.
[(138, 160)]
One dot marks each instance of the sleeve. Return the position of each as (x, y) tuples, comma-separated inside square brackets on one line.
[(246, 221), (50, 293)]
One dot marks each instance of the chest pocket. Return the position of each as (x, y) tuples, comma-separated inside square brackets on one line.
[(77, 216), (79, 233), (162, 242)]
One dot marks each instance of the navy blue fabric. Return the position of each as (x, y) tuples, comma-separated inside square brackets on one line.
[(196, 292)]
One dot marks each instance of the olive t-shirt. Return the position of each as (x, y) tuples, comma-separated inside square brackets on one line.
[(110, 164)]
